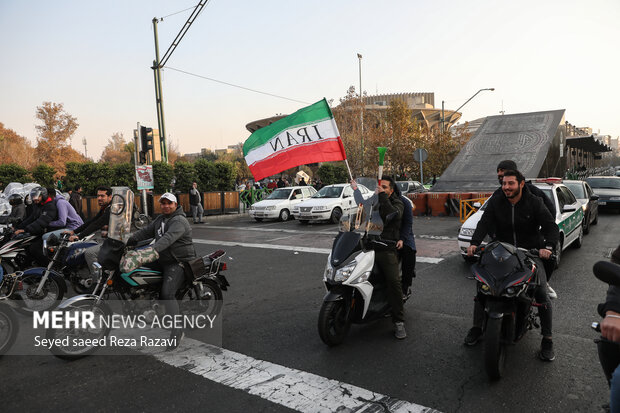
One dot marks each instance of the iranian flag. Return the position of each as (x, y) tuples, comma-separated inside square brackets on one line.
[(307, 136)]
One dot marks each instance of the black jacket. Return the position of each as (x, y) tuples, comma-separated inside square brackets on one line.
[(534, 190), (391, 210), (97, 222), (194, 198), (527, 224), (42, 214)]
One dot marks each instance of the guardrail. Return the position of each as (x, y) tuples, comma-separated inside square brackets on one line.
[(467, 208)]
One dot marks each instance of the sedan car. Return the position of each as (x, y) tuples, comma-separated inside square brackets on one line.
[(410, 187), (608, 190), (280, 203), (329, 204), (589, 202), (569, 217)]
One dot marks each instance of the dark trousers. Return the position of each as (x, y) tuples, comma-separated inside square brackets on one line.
[(36, 252), (174, 278), (407, 265), (387, 261), (545, 311)]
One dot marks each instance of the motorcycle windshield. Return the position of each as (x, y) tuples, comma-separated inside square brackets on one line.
[(120, 213), (501, 265), (365, 220)]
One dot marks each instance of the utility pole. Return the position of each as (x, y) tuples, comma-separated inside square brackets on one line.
[(359, 57), (159, 100), (84, 143)]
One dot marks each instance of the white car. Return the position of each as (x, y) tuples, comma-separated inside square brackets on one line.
[(329, 204), (280, 203), (569, 217)]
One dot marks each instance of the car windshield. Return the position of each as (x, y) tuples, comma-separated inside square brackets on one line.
[(612, 183), (282, 193), (329, 192), (576, 188), (548, 193)]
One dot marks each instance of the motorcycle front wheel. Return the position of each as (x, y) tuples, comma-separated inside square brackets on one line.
[(73, 343), (494, 349), (333, 323), (48, 298), (8, 328)]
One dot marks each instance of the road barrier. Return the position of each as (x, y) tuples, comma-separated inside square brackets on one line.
[(467, 208), (419, 202)]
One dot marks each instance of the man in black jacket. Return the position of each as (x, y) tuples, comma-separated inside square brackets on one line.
[(44, 211), (521, 219), (509, 165), (99, 221)]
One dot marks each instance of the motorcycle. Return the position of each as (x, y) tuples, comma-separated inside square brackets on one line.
[(67, 259), (13, 251), (356, 290), (506, 278), (608, 351), (9, 327)]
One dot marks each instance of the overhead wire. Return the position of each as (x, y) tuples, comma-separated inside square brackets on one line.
[(237, 86)]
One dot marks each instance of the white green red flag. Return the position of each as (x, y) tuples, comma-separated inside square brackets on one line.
[(307, 136)]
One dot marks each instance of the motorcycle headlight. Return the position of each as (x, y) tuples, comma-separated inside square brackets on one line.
[(467, 232), (485, 289), (343, 274), (328, 273), (362, 278)]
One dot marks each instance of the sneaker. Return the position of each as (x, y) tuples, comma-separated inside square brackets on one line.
[(551, 292), (176, 338), (546, 350), (399, 330), (473, 336)]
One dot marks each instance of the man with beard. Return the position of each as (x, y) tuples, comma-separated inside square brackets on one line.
[(519, 218)]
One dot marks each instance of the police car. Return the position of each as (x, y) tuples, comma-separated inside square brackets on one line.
[(569, 217)]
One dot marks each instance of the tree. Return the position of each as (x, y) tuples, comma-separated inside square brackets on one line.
[(117, 150), (185, 174), (54, 134), (163, 174), (43, 174), (15, 148), (13, 173)]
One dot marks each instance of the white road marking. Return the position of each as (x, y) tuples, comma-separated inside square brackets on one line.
[(429, 260), (295, 389)]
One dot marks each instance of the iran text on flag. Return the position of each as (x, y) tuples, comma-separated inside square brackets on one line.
[(307, 136)]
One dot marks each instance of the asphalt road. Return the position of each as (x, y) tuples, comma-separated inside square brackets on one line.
[(270, 314)]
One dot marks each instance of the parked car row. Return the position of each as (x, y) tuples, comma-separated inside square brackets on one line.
[(575, 212)]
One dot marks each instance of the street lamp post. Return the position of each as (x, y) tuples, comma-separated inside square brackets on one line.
[(466, 102), (359, 57)]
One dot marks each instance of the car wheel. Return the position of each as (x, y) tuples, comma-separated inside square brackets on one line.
[(586, 224), (558, 253), (336, 215), (595, 219), (284, 215)]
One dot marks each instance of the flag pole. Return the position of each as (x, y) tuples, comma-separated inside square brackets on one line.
[(381, 150), (348, 168)]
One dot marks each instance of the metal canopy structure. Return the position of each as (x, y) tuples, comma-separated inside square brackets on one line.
[(587, 144)]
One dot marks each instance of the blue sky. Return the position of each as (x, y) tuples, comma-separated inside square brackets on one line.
[(95, 57)]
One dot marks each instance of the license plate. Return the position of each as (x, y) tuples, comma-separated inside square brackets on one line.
[(304, 214), (602, 202)]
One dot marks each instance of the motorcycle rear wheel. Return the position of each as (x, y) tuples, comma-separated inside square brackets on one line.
[(207, 300), (49, 298), (70, 352), (333, 325), (494, 349), (9, 328)]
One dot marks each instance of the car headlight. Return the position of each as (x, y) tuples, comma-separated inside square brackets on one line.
[(320, 208), (295, 208), (614, 198), (270, 208), (252, 208), (343, 274), (584, 207), (467, 232)]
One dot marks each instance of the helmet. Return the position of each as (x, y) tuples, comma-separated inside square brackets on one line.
[(15, 199), (38, 191)]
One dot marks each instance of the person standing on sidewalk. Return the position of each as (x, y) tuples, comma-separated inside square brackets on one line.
[(195, 204)]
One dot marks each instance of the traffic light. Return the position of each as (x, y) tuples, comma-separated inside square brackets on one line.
[(146, 135), (142, 157)]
